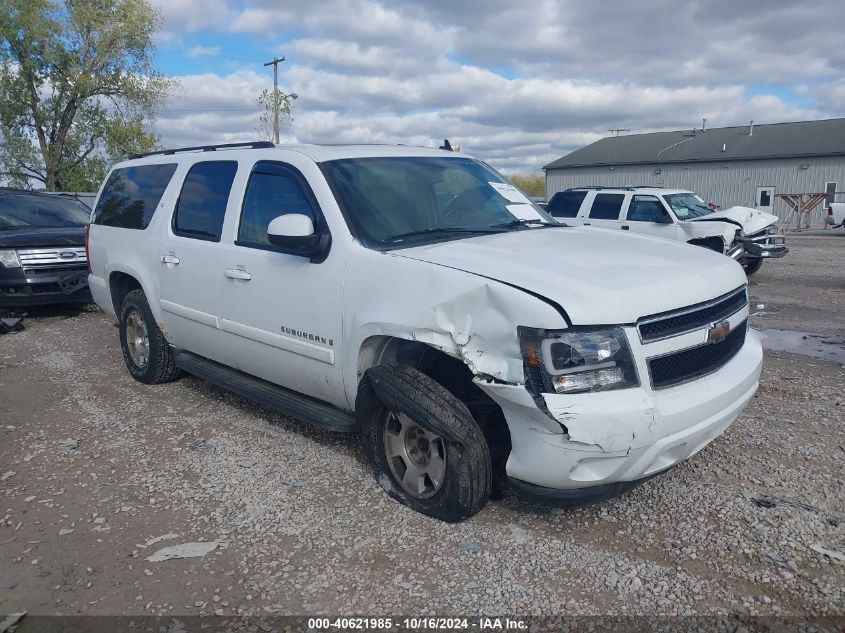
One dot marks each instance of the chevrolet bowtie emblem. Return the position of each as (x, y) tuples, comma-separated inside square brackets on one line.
[(718, 332)]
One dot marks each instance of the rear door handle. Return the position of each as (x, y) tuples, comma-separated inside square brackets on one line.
[(169, 259), (238, 273), (625, 227)]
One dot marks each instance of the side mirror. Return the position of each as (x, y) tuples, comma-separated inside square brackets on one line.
[(663, 218), (294, 234)]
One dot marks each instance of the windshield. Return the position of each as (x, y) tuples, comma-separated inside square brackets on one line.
[(399, 201), (22, 211), (687, 205)]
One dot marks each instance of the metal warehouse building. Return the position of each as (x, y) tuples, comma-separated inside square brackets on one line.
[(729, 166)]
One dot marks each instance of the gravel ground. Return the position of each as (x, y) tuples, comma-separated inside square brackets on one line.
[(98, 472)]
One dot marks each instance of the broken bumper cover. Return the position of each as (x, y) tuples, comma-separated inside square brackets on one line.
[(770, 246), (620, 436)]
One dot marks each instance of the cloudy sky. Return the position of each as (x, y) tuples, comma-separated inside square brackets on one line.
[(515, 83)]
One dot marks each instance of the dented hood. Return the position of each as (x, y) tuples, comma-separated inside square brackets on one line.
[(598, 276), (751, 220)]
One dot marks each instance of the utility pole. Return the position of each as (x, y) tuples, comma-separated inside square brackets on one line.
[(275, 64)]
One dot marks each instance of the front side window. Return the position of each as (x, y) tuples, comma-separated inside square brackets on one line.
[(400, 201), (606, 206), (687, 205), (646, 209), (273, 190), (202, 202), (132, 194), (565, 204), (26, 211)]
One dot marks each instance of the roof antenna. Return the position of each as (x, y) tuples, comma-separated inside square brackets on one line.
[(751, 129), (446, 145)]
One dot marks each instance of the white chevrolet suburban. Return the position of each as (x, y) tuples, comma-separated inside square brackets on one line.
[(414, 296), (835, 216), (747, 235)]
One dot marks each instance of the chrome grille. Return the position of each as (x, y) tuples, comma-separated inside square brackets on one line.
[(56, 256), (666, 324)]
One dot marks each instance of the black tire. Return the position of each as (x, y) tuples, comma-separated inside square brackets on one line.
[(388, 390), (752, 265), (160, 365)]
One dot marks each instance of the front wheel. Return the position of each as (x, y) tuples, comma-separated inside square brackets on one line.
[(426, 449), (751, 265), (148, 356)]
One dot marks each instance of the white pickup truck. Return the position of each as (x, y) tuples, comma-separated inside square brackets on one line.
[(414, 296), (835, 214), (745, 234)]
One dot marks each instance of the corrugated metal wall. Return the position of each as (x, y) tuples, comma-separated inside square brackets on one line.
[(727, 184)]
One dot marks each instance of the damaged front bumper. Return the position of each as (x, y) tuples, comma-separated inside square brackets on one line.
[(769, 246), (591, 442)]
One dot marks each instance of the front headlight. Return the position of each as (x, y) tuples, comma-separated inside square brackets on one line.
[(577, 360), (9, 258), (772, 230)]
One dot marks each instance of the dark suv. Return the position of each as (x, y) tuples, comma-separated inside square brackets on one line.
[(42, 249)]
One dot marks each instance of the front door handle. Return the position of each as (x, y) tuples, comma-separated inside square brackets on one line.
[(238, 273), (169, 259), (625, 227)]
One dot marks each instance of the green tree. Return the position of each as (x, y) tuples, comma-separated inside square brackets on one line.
[(269, 101), (530, 185), (77, 83)]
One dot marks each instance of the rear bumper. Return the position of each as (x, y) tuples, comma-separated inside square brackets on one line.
[(101, 294)]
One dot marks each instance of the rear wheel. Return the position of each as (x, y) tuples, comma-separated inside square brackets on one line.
[(426, 449), (148, 356), (751, 265)]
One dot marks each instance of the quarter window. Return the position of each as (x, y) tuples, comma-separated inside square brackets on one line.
[(565, 204), (132, 194), (202, 202), (273, 190), (606, 206)]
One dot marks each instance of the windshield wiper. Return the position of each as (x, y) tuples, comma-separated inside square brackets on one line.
[(441, 229), (523, 222)]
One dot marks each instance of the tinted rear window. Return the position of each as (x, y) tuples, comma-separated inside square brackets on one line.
[(607, 206), (132, 194), (202, 203), (565, 204)]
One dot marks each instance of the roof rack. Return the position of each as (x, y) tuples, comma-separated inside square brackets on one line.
[(598, 188), (206, 148)]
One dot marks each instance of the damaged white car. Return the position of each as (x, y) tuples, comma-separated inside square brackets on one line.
[(744, 234), (417, 298)]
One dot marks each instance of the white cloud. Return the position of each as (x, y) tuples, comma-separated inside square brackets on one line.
[(202, 51), (515, 84)]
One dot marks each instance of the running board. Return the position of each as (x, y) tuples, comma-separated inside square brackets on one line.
[(291, 403)]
